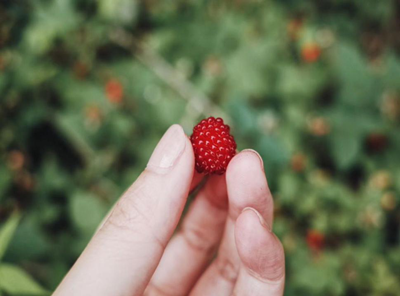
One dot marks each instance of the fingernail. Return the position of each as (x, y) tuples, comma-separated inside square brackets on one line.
[(258, 155), (260, 218), (168, 150)]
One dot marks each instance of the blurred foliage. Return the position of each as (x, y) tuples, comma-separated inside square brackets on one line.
[(313, 85)]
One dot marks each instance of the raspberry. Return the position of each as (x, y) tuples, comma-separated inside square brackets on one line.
[(213, 146)]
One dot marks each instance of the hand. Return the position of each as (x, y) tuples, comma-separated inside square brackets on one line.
[(133, 253)]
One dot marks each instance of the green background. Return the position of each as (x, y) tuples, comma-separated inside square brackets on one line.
[(87, 88)]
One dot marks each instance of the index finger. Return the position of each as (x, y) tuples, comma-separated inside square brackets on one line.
[(122, 256)]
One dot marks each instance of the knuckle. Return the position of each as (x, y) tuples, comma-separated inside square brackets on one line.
[(198, 239), (127, 214), (227, 269), (133, 214), (152, 290)]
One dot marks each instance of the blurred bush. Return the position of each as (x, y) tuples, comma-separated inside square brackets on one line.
[(88, 87)]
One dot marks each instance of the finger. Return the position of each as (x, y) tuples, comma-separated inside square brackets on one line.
[(261, 253), (220, 277), (247, 187), (124, 253), (190, 251), (197, 178)]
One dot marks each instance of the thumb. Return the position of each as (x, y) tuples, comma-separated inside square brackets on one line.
[(262, 256), (126, 250)]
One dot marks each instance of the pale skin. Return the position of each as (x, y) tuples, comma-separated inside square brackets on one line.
[(223, 246)]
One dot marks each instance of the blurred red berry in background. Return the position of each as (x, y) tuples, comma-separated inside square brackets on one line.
[(310, 52), (315, 240), (114, 91)]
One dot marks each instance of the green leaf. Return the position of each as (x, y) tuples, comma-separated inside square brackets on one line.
[(392, 74), (5, 180), (243, 115), (31, 73), (346, 148), (248, 69), (3, 81), (70, 126), (7, 232), (15, 281), (274, 155), (86, 211), (49, 23), (349, 129), (120, 11), (289, 187), (297, 84), (358, 86), (29, 233)]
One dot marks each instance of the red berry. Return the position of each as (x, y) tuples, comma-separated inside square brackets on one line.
[(310, 52), (114, 91), (377, 142), (315, 240), (213, 146)]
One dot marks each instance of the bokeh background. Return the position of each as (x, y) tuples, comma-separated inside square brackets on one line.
[(88, 87)]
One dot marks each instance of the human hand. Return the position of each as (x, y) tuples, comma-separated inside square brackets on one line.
[(133, 253)]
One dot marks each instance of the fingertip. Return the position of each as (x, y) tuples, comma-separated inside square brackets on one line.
[(169, 151), (259, 249), (245, 160)]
